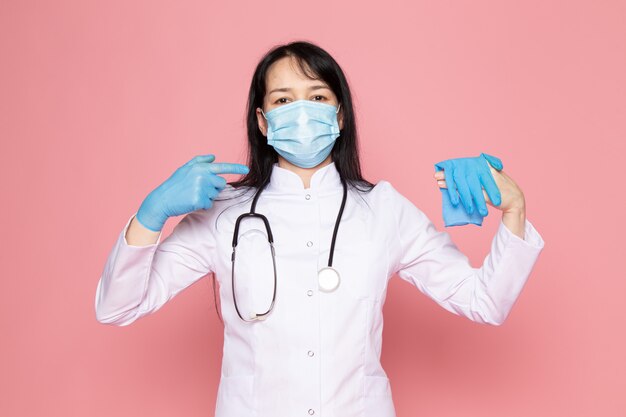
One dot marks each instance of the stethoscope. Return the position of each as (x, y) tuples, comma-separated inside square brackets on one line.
[(328, 277)]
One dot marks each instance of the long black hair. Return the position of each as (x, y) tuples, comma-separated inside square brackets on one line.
[(316, 64)]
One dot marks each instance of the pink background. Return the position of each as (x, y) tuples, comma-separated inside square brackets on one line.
[(101, 101)]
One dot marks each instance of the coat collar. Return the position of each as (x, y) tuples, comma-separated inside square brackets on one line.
[(282, 180)]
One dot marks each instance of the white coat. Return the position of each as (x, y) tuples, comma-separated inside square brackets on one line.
[(317, 353)]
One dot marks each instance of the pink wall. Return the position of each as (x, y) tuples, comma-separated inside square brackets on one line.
[(101, 101)]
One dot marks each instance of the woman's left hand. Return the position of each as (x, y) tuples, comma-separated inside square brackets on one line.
[(511, 195)]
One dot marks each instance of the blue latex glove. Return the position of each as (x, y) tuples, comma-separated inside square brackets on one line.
[(464, 177), (191, 187)]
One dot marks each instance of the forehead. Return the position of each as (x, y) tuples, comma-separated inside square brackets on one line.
[(287, 73)]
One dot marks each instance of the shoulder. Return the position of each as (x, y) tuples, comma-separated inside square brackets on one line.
[(230, 194), (227, 198), (383, 201), (231, 197), (394, 204), (385, 193)]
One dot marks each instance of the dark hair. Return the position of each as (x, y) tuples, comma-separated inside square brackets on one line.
[(315, 63)]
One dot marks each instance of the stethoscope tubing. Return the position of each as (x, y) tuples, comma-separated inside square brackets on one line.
[(270, 237)]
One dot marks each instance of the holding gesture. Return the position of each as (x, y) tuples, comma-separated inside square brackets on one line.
[(464, 179)]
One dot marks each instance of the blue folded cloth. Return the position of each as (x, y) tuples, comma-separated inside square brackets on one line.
[(457, 216)]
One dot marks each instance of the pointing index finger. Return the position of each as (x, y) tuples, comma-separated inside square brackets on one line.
[(228, 168)]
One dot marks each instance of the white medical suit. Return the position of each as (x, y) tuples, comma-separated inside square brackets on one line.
[(317, 353)]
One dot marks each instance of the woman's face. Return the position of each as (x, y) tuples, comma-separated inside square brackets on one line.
[(285, 84)]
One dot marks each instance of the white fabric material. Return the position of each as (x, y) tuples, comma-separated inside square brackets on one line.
[(317, 353)]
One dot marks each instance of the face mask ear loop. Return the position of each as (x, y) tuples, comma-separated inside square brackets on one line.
[(338, 107), (263, 114)]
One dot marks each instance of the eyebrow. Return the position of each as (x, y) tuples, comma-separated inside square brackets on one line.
[(285, 89)]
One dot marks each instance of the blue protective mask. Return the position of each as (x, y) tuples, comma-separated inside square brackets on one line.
[(303, 132)]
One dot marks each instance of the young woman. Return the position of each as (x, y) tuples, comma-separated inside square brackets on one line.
[(303, 278)]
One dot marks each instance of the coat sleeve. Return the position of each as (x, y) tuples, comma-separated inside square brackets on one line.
[(429, 259), (138, 280)]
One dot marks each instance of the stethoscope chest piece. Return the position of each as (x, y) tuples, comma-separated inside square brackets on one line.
[(328, 279)]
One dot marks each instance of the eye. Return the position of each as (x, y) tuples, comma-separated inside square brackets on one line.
[(324, 98), (279, 100)]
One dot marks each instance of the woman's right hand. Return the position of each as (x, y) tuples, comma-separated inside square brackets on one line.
[(191, 187)]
